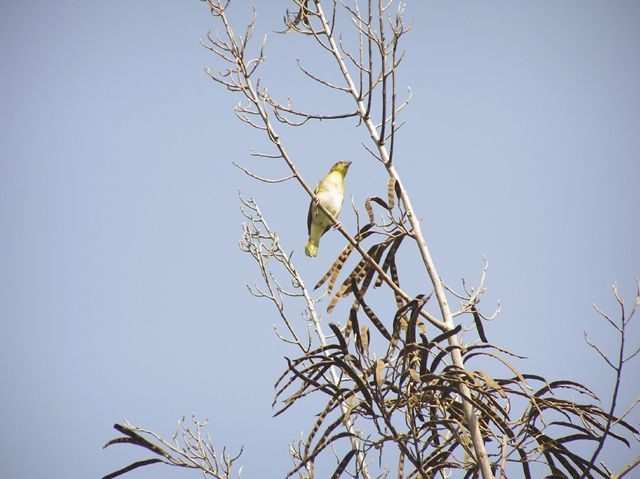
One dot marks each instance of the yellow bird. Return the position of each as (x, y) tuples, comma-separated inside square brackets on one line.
[(330, 193)]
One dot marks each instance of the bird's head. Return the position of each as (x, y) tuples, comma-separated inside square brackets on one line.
[(341, 167)]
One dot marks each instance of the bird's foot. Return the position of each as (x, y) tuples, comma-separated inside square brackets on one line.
[(337, 225)]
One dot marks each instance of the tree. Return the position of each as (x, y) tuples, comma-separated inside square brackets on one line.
[(404, 387)]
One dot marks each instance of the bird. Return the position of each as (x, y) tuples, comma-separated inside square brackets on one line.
[(330, 193)]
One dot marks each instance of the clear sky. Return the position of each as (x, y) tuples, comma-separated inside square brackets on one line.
[(122, 289)]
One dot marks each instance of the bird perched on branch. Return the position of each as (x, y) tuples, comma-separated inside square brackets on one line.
[(330, 193)]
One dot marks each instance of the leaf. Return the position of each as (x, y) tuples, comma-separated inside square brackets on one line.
[(352, 323), (524, 460), (390, 192), (390, 259), (379, 372), (316, 427), (400, 466), (396, 279), (369, 312), (307, 380), (398, 189), (565, 384), (399, 320), (421, 300), (361, 272), (447, 334), (422, 328), (131, 467), (336, 330), (492, 383), (322, 444), (343, 464), (371, 271), (336, 267), (364, 339), (369, 209), (360, 385), (356, 275), (137, 439), (380, 202), (479, 327)]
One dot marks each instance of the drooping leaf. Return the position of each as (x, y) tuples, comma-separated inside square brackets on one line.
[(136, 439), (131, 467), (368, 311), (390, 260), (334, 270), (363, 339), (369, 210), (360, 273), (336, 331), (319, 422), (391, 184), (421, 300), (479, 327), (447, 334), (379, 372), (380, 202), (343, 464)]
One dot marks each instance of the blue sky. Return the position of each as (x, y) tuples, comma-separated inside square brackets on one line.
[(122, 290)]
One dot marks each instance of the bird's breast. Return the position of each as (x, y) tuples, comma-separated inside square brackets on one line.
[(331, 198)]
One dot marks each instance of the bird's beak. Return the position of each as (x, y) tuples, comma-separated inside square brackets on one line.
[(348, 163)]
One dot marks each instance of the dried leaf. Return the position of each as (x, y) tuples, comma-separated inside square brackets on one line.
[(362, 272), (421, 300), (318, 424), (403, 324), (422, 328), (492, 383), (131, 467), (379, 372), (391, 193), (336, 330), (343, 464), (360, 385), (352, 323), (137, 439), (369, 209), (334, 270), (380, 202), (447, 334), (369, 312), (398, 189), (478, 322), (364, 339)]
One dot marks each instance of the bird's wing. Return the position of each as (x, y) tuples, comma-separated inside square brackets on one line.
[(327, 228), (310, 214)]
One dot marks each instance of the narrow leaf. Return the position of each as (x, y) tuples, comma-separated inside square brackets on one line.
[(369, 209), (364, 339), (391, 193), (379, 372), (131, 467), (479, 327), (369, 312), (343, 464), (336, 330)]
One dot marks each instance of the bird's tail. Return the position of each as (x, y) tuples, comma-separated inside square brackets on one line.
[(311, 248)]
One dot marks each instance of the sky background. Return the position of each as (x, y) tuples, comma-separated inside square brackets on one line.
[(122, 289)]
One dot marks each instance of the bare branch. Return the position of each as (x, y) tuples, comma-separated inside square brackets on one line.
[(260, 178)]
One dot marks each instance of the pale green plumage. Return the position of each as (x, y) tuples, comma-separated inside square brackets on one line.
[(330, 193)]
